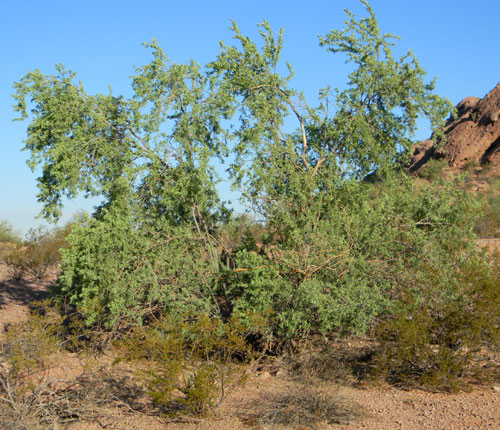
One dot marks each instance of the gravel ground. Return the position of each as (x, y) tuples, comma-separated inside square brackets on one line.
[(390, 408), (385, 409)]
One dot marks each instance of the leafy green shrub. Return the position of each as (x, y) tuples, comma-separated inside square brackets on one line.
[(433, 336), (119, 275), (339, 271), (189, 362), (433, 169), (332, 249)]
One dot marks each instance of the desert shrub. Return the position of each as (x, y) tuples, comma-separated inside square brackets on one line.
[(336, 265), (433, 169), (433, 336), (8, 234), (38, 254), (189, 363), (28, 345), (333, 248), (16, 262), (343, 361), (488, 225), (25, 354), (5, 249), (305, 405)]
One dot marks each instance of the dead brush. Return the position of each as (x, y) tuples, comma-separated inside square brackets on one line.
[(308, 406), (52, 404), (30, 399), (339, 362)]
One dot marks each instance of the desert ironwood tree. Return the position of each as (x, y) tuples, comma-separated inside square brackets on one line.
[(332, 249)]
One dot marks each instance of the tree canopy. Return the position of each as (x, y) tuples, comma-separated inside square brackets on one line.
[(332, 249), (158, 144)]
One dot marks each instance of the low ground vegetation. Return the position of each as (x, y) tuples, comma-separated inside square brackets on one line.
[(434, 169), (183, 368), (306, 406)]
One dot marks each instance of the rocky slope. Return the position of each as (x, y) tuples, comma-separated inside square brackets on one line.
[(472, 138)]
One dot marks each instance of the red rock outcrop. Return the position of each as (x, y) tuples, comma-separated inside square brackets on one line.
[(473, 136)]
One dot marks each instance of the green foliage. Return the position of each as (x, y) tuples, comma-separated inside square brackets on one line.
[(433, 169), (114, 148), (379, 109), (335, 247), (8, 234), (119, 274), (189, 361), (384, 97), (337, 271)]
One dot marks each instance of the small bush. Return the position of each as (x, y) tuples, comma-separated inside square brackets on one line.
[(188, 362), (8, 234), (306, 405), (15, 260), (433, 169), (432, 341), (38, 254), (339, 363), (27, 345), (25, 353), (488, 225)]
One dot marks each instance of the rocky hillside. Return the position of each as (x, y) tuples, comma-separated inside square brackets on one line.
[(472, 138)]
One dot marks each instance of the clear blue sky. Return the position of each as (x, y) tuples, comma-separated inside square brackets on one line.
[(455, 40)]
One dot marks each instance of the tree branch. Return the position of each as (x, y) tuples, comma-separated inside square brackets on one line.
[(287, 100)]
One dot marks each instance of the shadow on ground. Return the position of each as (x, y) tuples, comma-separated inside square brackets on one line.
[(22, 293)]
